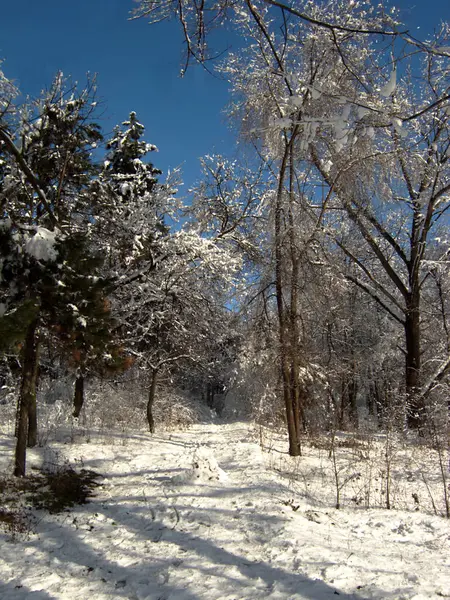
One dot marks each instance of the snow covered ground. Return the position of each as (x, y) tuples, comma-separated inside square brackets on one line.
[(208, 514)]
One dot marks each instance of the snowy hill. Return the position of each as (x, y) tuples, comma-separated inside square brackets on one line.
[(208, 514)]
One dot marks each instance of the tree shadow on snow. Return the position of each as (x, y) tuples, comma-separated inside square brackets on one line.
[(17, 591), (80, 547), (219, 560)]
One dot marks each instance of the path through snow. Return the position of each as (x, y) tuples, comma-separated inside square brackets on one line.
[(200, 515)]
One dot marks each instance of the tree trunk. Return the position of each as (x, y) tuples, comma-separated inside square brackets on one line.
[(377, 399), (27, 397), (343, 403), (78, 398), (16, 427), (294, 345), (209, 395), (371, 395), (32, 417), (294, 441), (151, 399), (415, 403), (32, 408), (352, 403)]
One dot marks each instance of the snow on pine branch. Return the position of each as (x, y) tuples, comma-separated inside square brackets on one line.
[(42, 245)]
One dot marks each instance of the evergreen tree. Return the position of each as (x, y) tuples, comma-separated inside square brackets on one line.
[(166, 282), (130, 202), (131, 228), (125, 165), (49, 273)]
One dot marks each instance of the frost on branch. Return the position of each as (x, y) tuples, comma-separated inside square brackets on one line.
[(390, 87)]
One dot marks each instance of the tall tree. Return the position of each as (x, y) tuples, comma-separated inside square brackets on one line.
[(164, 281), (46, 213), (314, 95)]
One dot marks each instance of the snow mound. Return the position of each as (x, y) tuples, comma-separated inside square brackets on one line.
[(204, 469), (42, 245)]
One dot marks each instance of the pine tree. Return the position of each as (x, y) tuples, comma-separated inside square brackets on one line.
[(124, 161), (131, 203), (48, 265), (84, 325), (131, 225)]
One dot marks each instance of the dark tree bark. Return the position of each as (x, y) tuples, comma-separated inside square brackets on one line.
[(284, 335), (415, 401), (374, 397), (352, 404), (16, 427), (294, 342), (151, 400), (342, 405), (210, 395), (27, 397), (348, 408), (32, 407), (32, 414), (78, 397)]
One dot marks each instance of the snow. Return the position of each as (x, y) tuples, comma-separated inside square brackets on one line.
[(219, 511), (390, 87), (125, 189), (5, 224), (296, 101), (204, 469), (281, 123), (398, 127), (315, 93), (42, 245)]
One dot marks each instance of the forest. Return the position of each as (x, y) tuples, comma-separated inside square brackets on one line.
[(308, 279), (299, 292)]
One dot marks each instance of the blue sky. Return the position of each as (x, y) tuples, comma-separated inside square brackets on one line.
[(137, 68)]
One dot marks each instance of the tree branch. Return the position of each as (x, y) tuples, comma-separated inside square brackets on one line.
[(30, 176), (374, 296), (332, 26)]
